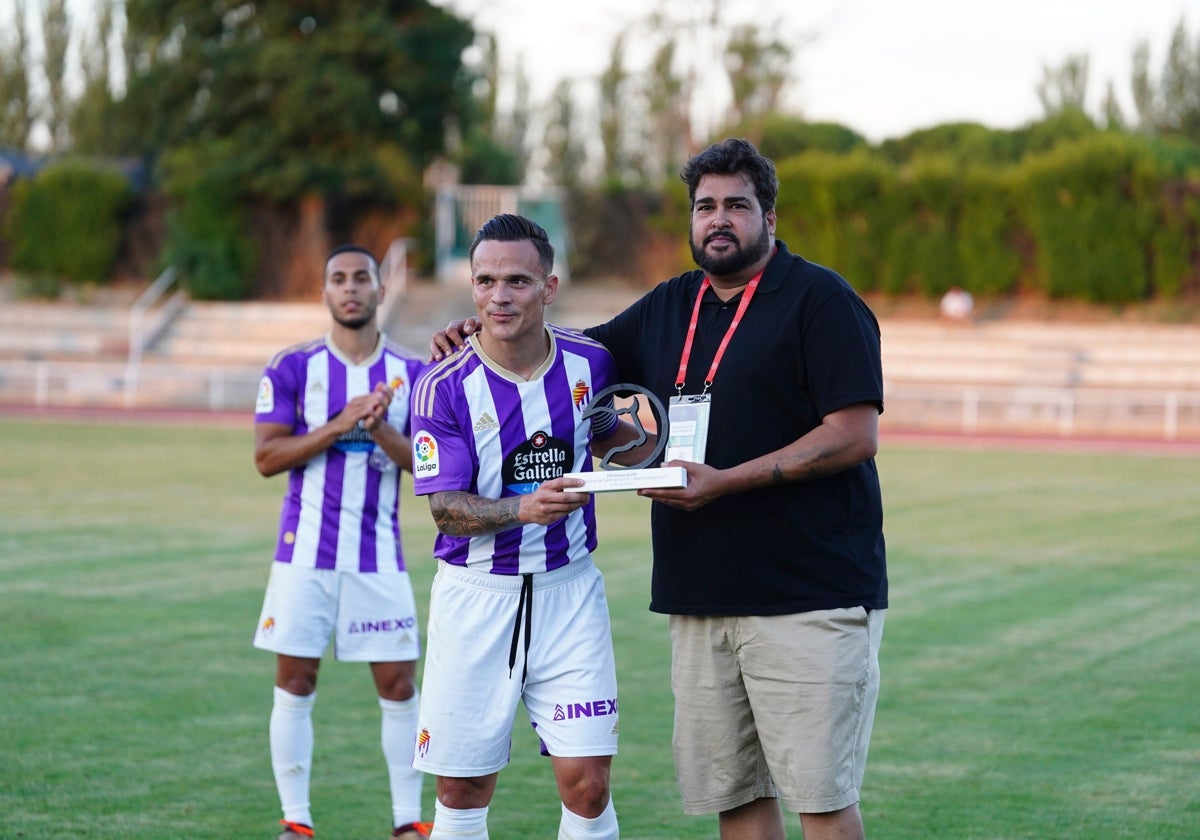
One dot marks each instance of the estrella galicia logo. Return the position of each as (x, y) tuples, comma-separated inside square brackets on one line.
[(539, 459), (357, 439)]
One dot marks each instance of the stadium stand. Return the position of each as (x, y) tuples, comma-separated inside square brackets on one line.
[(1109, 379)]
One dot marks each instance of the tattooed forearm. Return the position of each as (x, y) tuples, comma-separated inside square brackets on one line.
[(804, 466), (461, 514)]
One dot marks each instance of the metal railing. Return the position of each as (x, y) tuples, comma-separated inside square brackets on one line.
[(393, 272), (1149, 413), (1143, 414), (145, 326), (76, 384)]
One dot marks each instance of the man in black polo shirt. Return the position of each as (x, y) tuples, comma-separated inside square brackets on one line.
[(770, 562)]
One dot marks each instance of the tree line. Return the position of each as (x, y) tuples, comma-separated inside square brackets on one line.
[(222, 135)]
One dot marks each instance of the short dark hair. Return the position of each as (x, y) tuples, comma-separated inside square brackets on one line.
[(509, 227), (352, 249), (733, 157)]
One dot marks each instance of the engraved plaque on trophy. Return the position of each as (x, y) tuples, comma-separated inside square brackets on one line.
[(612, 476)]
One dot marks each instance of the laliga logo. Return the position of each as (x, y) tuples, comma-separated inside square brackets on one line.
[(600, 404), (426, 463), (424, 447)]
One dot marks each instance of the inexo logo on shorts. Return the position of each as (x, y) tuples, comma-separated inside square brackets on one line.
[(591, 708)]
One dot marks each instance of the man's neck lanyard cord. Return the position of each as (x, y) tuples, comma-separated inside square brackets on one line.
[(691, 334)]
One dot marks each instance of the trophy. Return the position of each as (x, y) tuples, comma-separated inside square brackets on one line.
[(612, 476)]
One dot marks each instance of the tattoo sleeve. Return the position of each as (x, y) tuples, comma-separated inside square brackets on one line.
[(462, 514)]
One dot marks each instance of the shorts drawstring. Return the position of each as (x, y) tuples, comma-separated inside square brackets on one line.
[(524, 606)]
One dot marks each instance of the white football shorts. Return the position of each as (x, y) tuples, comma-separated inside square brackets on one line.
[(469, 694), (371, 615)]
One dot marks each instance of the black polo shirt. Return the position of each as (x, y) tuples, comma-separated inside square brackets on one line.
[(806, 346)]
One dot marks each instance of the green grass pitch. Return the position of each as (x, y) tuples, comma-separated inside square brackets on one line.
[(1041, 661)]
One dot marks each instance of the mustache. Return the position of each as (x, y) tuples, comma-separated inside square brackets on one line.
[(723, 234)]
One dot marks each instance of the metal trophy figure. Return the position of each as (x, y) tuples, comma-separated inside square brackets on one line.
[(612, 476)]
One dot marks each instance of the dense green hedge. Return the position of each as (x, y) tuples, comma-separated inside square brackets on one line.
[(68, 221), (1091, 207), (834, 210), (1100, 216), (209, 238), (990, 234), (1108, 218)]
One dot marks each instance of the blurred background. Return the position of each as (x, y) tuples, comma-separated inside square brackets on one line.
[(173, 173)]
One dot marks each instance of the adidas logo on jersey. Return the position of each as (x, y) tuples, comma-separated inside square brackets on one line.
[(486, 423)]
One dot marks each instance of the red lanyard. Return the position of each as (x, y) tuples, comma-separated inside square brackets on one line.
[(691, 334)]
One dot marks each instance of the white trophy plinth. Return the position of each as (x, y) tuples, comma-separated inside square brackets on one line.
[(601, 481)]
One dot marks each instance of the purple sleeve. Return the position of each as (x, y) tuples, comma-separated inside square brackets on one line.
[(277, 391), (443, 453), (604, 422)]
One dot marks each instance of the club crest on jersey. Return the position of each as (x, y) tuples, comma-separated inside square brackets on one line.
[(539, 459), (426, 455), (581, 393)]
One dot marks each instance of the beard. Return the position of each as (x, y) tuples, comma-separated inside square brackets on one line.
[(737, 259), (359, 321)]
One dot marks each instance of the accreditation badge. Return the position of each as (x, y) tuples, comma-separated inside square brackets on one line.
[(688, 417)]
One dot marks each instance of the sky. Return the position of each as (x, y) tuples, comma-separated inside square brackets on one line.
[(881, 67)]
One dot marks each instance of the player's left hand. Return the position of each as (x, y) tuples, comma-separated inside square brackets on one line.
[(548, 503)]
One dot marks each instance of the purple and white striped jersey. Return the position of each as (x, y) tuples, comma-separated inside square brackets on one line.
[(478, 428), (339, 511)]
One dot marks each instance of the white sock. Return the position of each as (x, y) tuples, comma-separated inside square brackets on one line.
[(398, 732), (292, 751), (603, 827), (454, 824)]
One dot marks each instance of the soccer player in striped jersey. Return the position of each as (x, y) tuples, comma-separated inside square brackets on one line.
[(333, 413), (518, 611)]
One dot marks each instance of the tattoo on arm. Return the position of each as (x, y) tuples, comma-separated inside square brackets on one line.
[(462, 514), (814, 464)]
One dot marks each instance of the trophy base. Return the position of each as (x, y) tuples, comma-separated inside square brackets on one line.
[(601, 481)]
